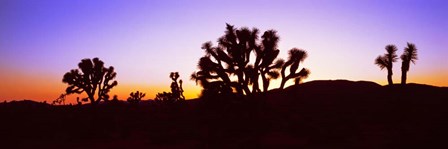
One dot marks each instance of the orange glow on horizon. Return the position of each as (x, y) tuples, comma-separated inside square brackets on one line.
[(44, 87), (41, 87)]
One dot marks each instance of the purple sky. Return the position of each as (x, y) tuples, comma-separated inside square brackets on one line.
[(146, 40)]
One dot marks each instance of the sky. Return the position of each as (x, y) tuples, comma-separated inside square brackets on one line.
[(145, 40)]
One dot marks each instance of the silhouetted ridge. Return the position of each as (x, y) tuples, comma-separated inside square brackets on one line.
[(315, 114), (422, 86), (333, 86), (26, 103), (341, 83)]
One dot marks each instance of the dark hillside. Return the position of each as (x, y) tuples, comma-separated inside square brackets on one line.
[(317, 114), (365, 114)]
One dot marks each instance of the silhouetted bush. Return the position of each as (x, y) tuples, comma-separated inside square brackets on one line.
[(165, 97), (136, 97), (115, 99), (60, 100)]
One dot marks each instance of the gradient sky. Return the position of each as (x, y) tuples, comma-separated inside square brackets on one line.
[(41, 40)]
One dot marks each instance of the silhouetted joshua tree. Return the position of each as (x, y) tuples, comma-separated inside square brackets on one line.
[(176, 88), (136, 97), (409, 55), (231, 58), (295, 57), (92, 78), (176, 93), (386, 61)]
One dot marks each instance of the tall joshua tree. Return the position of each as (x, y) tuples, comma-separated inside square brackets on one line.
[(230, 58), (295, 57), (228, 67), (409, 55), (386, 61), (92, 78)]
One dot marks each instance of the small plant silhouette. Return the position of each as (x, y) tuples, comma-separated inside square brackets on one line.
[(409, 55), (60, 100), (115, 99), (176, 93), (135, 98), (295, 57), (92, 78), (79, 102), (165, 97), (386, 61)]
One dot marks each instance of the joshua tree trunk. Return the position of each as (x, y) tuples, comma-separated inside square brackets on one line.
[(255, 86), (389, 76), (403, 77), (282, 72), (92, 98), (404, 71), (265, 82), (282, 85)]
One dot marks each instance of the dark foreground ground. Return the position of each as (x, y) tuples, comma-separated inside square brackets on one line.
[(314, 115)]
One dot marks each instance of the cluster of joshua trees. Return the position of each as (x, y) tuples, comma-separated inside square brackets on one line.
[(386, 61), (241, 64), (226, 68), (96, 81)]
